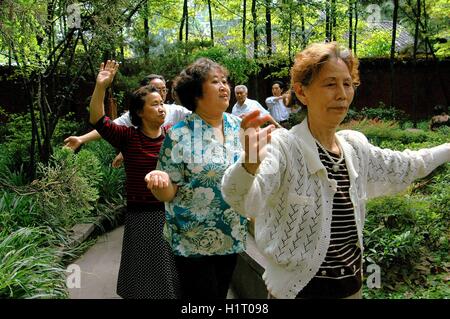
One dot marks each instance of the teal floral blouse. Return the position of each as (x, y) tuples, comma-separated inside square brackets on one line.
[(198, 221)]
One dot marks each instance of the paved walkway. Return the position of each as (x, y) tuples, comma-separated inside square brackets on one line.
[(99, 268)]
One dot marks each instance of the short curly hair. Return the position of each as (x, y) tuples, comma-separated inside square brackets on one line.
[(137, 102), (309, 62), (189, 83)]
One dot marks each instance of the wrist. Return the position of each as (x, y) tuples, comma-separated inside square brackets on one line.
[(250, 168)]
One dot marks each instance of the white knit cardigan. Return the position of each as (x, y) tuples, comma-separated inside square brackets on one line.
[(291, 197)]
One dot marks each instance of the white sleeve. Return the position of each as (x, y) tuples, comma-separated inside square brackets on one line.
[(249, 194), (124, 120), (390, 172), (271, 102), (175, 113), (262, 109)]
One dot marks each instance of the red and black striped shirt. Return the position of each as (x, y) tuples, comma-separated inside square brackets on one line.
[(140, 154)]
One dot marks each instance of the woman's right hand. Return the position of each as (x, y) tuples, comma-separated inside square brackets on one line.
[(255, 139), (73, 142), (157, 180), (106, 73)]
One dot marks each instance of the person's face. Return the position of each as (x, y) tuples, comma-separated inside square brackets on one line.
[(160, 86), (216, 93), (153, 112), (329, 95), (241, 95), (276, 90)]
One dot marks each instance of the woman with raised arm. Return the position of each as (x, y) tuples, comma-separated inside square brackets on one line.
[(308, 193), (147, 267)]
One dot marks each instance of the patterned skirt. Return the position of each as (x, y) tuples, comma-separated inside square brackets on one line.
[(147, 265)]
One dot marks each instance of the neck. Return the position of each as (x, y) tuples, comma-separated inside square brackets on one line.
[(215, 120), (151, 130), (325, 136)]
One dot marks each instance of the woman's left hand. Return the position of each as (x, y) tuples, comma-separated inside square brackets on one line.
[(157, 180)]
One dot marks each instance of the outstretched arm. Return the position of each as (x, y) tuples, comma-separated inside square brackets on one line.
[(104, 79), (74, 142)]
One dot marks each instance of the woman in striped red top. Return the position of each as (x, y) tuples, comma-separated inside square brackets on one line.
[(147, 268)]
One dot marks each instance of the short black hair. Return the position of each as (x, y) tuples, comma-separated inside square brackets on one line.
[(137, 102), (148, 78), (189, 83), (281, 84)]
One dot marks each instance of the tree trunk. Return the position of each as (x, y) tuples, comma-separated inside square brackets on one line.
[(356, 25), (255, 30), (327, 21), (183, 16), (425, 31), (350, 24), (392, 57), (211, 22), (186, 35), (302, 21), (333, 16), (268, 28), (416, 43), (290, 33), (244, 20), (146, 31)]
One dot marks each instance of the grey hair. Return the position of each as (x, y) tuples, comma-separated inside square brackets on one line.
[(241, 86)]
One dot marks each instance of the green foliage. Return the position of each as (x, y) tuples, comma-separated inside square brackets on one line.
[(17, 211), (69, 181), (382, 112), (29, 264), (239, 66), (111, 185)]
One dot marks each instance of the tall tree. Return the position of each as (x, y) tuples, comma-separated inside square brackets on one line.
[(244, 20), (334, 22), (184, 20), (268, 28), (355, 32), (211, 22), (255, 30), (146, 30), (392, 56), (302, 22), (350, 23), (327, 20), (416, 45)]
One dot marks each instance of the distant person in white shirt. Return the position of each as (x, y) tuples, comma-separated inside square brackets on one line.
[(174, 114), (245, 105), (275, 104)]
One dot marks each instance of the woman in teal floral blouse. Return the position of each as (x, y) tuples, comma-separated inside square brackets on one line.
[(204, 232)]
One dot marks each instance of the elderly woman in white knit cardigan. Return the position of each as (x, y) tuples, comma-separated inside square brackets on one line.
[(308, 188)]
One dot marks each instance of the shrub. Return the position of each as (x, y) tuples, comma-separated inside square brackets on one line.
[(29, 265)]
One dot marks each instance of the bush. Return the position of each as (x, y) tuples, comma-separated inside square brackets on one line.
[(29, 264), (380, 113)]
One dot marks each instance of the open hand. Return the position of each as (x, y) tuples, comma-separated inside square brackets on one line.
[(255, 139), (106, 73), (73, 142), (157, 179), (117, 161)]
